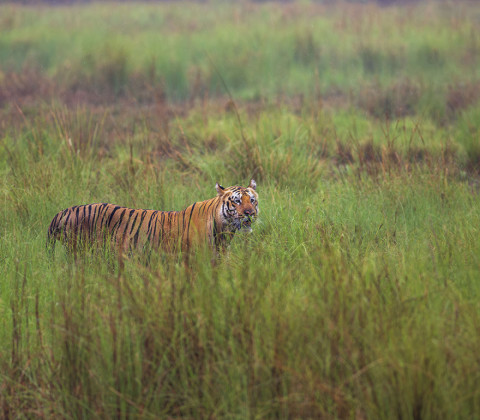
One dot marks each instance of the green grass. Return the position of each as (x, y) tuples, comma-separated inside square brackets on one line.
[(260, 50), (355, 296)]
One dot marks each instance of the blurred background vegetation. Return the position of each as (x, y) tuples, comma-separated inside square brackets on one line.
[(416, 62)]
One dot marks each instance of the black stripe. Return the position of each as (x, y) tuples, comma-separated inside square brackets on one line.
[(126, 224), (70, 211), (183, 220), (107, 207), (189, 220), (80, 219), (133, 224), (223, 210), (58, 218), (53, 224), (178, 225), (210, 205), (155, 230), (96, 215), (118, 223), (162, 227), (214, 232), (135, 238), (180, 238), (111, 216), (59, 225), (77, 211), (89, 211), (149, 227), (90, 221)]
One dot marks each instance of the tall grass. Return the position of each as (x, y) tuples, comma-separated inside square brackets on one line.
[(356, 294)]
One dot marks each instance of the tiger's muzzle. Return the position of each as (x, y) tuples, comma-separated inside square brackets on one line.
[(247, 220)]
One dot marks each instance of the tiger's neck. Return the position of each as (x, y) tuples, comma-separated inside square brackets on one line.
[(203, 219), (222, 232)]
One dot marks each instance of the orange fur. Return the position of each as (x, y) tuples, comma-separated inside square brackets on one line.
[(212, 221)]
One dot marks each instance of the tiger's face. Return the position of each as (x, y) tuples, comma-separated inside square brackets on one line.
[(239, 206)]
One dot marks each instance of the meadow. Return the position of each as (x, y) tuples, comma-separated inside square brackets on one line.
[(355, 296)]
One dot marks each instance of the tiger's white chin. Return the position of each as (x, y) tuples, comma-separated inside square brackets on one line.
[(246, 229)]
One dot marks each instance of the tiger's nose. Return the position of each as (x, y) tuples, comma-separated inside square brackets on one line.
[(248, 212)]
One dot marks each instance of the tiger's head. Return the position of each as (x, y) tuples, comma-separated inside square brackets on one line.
[(239, 206)]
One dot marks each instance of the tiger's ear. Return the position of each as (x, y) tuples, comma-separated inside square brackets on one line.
[(252, 185), (220, 189)]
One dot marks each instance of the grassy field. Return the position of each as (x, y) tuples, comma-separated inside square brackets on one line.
[(355, 296)]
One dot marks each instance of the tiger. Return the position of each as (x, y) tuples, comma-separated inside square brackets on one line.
[(214, 222)]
